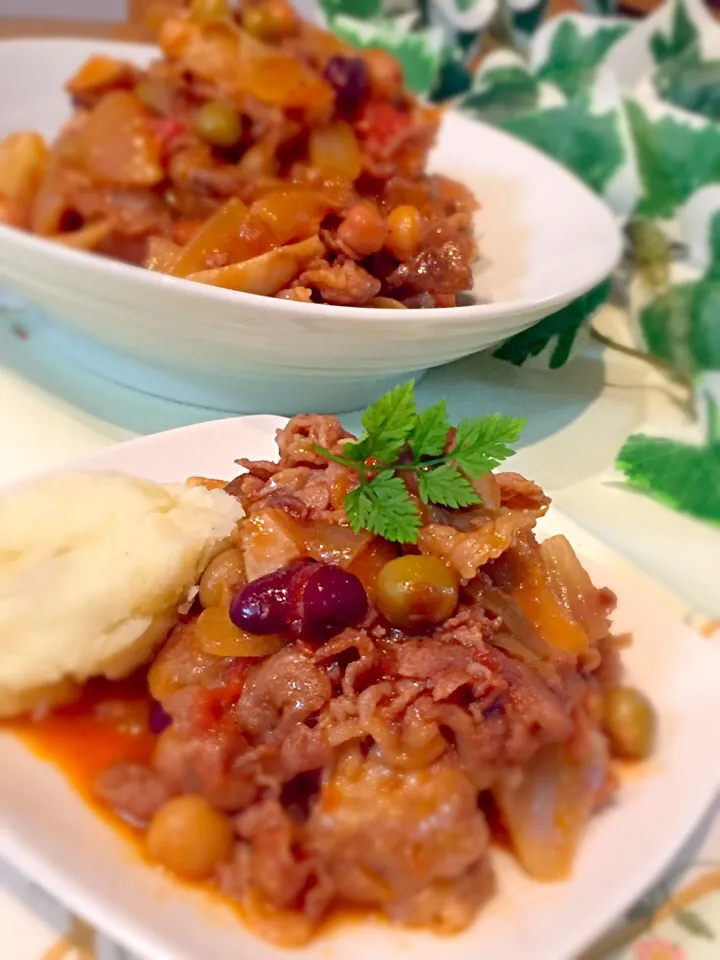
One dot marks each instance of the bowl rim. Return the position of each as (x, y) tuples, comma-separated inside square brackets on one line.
[(117, 269)]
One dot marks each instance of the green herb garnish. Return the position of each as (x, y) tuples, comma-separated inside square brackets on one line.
[(398, 440)]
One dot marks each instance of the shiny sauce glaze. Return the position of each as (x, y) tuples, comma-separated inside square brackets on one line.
[(108, 724)]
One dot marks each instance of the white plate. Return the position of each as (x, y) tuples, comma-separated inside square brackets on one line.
[(48, 832), (545, 239)]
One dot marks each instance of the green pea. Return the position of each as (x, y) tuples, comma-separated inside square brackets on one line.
[(629, 722), (416, 591), (218, 123)]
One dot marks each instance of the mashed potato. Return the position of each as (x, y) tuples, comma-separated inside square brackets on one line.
[(93, 568)]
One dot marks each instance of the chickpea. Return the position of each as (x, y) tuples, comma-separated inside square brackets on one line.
[(222, 577), (363, 230), (385, 74), (629, 721), (189, 837), (415, 591), (218, 123), (404, 232), (270, 20), (207, 11)]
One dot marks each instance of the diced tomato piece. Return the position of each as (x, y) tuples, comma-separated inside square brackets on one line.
[(214, 704), (166, 130), (382, 123)]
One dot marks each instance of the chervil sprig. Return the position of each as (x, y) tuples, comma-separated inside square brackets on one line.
[(399, 441)]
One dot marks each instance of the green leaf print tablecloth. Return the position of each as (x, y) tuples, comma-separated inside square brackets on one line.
[(633, 108)]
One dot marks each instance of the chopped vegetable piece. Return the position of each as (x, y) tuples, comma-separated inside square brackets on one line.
[(522, 573), (98, 72), (23, 161), (266, 274), (546, 812), (217, 635), (223, 576), (336, 148), (219, 235), (386, 303), (292, 213), (162, 254), (117, 144), (87, 237)]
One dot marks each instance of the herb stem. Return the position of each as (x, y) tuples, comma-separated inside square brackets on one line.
[(379, 465), (656, 362), (397, 440), (335, 457)]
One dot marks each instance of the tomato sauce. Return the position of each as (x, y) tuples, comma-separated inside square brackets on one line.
[(107, 725)]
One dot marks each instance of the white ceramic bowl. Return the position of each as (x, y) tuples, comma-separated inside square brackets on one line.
[(545, 239)]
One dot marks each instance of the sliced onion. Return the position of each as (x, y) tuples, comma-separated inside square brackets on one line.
[(267, 274), (521, 572), (292, 213), (116, 145), (98, 72), (268, 542), (49, 205), (335, 147), (334, 543), (385, 303), (218, 234), (546, 813), (161, 254), (216, 634), (282, 926), (508, 643), (369, 562), (574, 587), (87, 237), (23, 161), (524, 634), (488, 489)]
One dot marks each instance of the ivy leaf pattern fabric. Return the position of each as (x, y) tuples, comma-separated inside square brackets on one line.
[(683, 476), (663, 147), (558, 330), (573, 57), (633, 109), (586, 142)]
